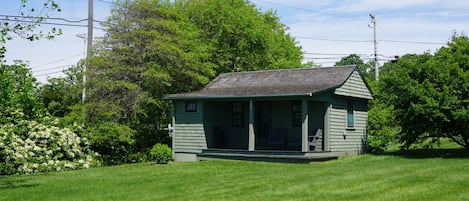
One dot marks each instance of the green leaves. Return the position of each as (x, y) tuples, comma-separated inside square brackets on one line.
[(430, 93)]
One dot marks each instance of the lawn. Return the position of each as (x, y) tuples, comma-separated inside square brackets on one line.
[(438, 175)]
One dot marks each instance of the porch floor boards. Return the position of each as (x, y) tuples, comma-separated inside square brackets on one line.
[(266, 155)]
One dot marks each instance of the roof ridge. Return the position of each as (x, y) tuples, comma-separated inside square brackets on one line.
[(289, 69)]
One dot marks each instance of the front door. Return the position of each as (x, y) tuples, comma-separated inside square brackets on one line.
[(263, 124)]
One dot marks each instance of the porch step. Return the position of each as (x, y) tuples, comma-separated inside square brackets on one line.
[(267, 156)]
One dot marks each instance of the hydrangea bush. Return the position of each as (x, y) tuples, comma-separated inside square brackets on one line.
[(27, 146)]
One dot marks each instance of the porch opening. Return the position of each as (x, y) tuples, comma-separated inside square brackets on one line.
[(276, 125)]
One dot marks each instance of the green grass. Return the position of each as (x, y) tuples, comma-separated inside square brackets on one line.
[(441, 175)]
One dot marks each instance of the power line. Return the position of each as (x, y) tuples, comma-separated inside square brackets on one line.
[(46, 69), (370, 41), (308, 10), (50, 73), (56, 61), (53, 23), (332, 54), (336, 40), (107, 2), (43, 18), (413, 42)]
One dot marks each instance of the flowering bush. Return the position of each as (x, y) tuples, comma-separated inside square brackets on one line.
[(27, 146)]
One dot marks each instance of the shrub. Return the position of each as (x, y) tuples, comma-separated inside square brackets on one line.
[(114, 142), (29, 147), (161, 153)]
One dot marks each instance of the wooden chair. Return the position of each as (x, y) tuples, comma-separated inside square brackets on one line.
[(313, 139)]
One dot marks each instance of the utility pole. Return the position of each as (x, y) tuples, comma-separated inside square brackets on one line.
[(373, 21), (88, 47)]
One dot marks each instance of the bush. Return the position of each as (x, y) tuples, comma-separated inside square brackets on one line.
[(114, 142), (161, 153), (29, 147)]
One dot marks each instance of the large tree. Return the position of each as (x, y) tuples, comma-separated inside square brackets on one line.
[(430, 94), (156, 47), (366, 69)]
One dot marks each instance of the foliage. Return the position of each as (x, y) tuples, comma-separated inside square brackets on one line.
[(18, 94), (240, 36), (366, 69), (381, 127), (26, 24), (162, 153), (113, 141), (60, 94), (155, 47), (430, 94), (397, 176), (28, 146)]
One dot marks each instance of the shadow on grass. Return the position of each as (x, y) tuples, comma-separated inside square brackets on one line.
[(429, 153), (7, 182)]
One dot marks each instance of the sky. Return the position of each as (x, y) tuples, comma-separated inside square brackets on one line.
[(326, 30)]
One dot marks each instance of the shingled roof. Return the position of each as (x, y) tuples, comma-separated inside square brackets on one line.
[(287, 82)]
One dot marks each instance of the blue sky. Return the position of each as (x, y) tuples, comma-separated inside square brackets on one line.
[(327, 30)]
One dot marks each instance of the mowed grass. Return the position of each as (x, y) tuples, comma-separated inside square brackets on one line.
[(440, 175)]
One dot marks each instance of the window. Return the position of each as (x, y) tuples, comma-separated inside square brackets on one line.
[(296, 114), (191, 107), (350, 116), (237, 114)]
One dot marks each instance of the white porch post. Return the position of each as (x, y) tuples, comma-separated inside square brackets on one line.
[(304, 125), (173, 121), (251, 126), (327, 127)]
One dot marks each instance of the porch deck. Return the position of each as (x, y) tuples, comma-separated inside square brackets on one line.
[(266, 156)]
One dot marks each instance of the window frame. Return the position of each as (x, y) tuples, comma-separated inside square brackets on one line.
[(191, 106), (297, 114), (237, 114), (350, 115)]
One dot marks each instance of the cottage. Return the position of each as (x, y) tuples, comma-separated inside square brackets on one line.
[(298, 112)]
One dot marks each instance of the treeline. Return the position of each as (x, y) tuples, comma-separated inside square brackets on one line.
[(419, 98), (152, 48)]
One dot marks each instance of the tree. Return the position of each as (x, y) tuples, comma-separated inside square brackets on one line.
[(241, 37), (61, 93), (366, 69), (18, 94), (26, 24), (153, 48), (430, 94)]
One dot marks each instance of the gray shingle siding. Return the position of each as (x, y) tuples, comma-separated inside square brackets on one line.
[(354, 87), (189, 134), (343, 139)]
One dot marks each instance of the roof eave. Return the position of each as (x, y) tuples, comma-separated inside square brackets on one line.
[(235, 96)]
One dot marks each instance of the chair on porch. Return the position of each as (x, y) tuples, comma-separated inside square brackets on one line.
[(277, 139), (313, 139)]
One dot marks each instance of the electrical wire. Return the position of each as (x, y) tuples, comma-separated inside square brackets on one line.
[(46, 69), (53, 23), (43, 18), (312, 11), (51, 73)]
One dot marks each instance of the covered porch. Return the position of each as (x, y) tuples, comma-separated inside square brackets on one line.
[(291, 127)]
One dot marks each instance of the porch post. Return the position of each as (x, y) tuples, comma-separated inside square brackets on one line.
[(251, 126), (304, 125), (173, 121), (327, 127)]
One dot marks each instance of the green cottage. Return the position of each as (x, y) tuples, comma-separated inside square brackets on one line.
[(293, 114)]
